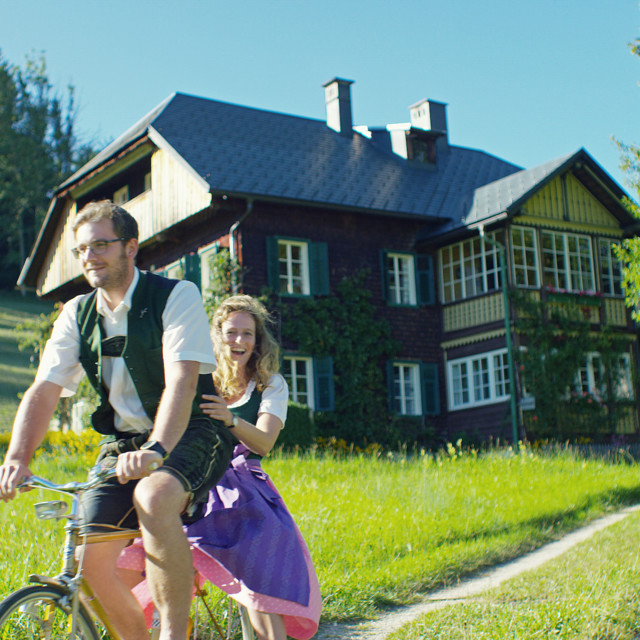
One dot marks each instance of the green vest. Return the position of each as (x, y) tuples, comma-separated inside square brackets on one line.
[(142, 348)]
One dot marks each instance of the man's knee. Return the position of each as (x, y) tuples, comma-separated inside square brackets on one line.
[(159, 495)]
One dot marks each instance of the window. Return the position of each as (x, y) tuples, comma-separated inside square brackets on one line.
[(310, 381), (413, 388), (592, 378), (121, 195), (525, 257), (567, 262), (174, 270), (297, 267), (407, 279), (401, 279), (469, 268), (206, 254), (610, 268), (298, 373), (406, 390), (478, 380)]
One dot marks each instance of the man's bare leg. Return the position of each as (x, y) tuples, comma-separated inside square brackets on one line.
[(159, 500), (119, 603)]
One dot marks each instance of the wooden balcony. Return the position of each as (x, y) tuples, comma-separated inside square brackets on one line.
[(488, 309)]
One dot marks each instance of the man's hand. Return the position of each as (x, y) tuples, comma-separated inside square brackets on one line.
[(11, 475), (133, 465)]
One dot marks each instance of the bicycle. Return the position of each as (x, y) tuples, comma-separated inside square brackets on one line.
[(55, 608)]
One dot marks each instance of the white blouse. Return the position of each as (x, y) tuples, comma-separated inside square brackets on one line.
[(275, 397)]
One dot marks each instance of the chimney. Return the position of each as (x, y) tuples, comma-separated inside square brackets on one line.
[(337, 97), (431, 116)]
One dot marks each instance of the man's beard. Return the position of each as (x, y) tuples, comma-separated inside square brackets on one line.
[(114, 276)]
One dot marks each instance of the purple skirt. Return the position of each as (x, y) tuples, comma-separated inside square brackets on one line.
[(248, 545)]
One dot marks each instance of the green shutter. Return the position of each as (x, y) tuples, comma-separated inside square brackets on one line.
[(384, 270), (323, 383), (430, 388), (192, 268), (319, 268), (273, 264), (390, 386), (425, 284)]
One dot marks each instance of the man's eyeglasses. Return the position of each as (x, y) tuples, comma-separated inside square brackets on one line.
[(97, 248)]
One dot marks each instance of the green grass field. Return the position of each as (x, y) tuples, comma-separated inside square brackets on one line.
[(591, 592), (16, 372), (383, 530)]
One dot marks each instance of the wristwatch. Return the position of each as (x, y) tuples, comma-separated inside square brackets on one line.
[(154, 445), (234, 422)]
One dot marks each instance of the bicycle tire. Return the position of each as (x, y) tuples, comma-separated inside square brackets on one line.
[(39, 612)]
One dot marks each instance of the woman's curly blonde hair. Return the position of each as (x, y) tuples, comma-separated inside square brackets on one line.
[(264, 361)]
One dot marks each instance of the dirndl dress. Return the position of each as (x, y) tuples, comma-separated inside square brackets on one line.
[(249, 546)]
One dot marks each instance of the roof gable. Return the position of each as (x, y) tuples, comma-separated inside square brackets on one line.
[(505, 197)]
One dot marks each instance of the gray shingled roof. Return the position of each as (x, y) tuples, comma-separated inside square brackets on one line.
[(245, 151)]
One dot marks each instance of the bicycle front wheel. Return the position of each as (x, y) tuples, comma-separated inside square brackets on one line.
[(41, 612)]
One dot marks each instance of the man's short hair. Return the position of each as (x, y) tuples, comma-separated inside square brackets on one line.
[(124, 224)]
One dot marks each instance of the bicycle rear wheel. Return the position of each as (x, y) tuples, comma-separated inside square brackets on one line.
[(41, 612)]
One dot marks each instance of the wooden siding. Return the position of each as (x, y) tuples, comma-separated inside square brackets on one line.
[(59, 265), (628, 423), (615, 312), (471, 313), (176, 193), (566, 203)]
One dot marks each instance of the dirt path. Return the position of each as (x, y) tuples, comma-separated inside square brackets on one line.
[(397, 618)]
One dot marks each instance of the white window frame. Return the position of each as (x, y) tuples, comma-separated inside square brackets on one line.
[(611, 269), (407, 390), (401, 278), (590, 377), (568, 271), (478, 380), (291, 282), (121, 195), (174, 270), (205, 270), (469, 268), (526, 272), (295, 395)]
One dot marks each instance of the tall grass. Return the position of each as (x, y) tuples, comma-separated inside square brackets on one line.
[(381, 529)]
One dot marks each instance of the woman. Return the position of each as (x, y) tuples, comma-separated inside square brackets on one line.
[(247, 542)]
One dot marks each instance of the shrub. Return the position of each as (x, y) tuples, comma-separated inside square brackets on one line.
[(299, 430)]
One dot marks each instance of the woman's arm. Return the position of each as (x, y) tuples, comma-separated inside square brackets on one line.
[(259, 437)]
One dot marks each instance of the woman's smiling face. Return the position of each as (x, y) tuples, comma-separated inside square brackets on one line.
[(239, 337)]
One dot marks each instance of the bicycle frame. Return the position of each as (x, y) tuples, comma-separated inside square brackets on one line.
[(78, 595), (70, 577)]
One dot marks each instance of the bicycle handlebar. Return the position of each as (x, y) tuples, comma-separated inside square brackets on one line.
[(33, 482)]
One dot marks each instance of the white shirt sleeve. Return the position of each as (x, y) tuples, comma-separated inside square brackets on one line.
[(186, 328), (60, 361), (275, 398)]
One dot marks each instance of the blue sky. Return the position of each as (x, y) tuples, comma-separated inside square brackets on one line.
[(525, 80)]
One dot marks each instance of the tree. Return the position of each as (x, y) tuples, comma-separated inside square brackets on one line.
[(38, 150), (629, 250)]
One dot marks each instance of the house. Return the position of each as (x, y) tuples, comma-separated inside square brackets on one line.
[(303, 203)]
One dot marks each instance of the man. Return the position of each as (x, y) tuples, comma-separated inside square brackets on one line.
[(142, 341)]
